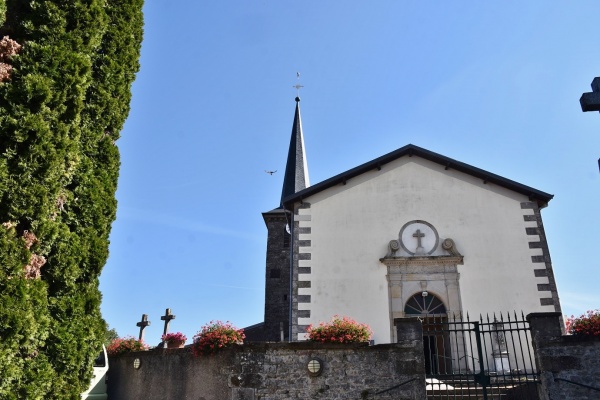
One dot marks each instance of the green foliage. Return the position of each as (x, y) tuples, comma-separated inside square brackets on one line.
[(23, 328), (2, 11), (61, 112), (110, 335)]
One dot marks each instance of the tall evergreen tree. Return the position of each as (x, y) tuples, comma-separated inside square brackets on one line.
[(64, 96)]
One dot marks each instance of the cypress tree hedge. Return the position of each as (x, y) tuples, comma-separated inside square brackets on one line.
[(64, 96)]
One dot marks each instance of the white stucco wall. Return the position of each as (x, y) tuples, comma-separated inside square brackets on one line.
[(351, 226)]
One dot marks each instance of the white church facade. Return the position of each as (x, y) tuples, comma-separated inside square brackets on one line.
[(409, 233)]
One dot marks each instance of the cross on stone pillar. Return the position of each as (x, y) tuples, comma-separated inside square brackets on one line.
[(167, 318), (591, 101), (143, 324)]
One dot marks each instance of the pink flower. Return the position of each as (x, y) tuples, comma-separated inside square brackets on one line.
[(176, 337), (587, 324), (342, 330), (125, 345), (215, 335)]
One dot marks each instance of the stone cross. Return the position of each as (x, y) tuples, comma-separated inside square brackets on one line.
[(143, 324), (591, 101), (418, 235), (167, 318)]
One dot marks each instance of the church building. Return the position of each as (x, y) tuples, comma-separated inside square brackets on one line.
[(409, 233)]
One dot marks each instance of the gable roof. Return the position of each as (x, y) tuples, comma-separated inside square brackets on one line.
[(542, 198)]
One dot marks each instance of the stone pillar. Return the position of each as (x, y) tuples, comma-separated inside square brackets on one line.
[(545, 329), (453, 296), (396, 299), (568, 364), (409, 332)]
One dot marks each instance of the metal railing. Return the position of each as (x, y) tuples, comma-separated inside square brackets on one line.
[(577, 383), (396, 386), (481, 358)]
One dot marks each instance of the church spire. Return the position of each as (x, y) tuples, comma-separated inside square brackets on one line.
[(296, 170)]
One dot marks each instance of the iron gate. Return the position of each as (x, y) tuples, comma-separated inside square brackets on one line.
[(483, 359)]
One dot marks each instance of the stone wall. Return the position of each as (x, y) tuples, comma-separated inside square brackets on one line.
[(273, 371), (569, 365)]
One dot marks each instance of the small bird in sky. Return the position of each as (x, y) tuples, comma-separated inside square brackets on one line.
[(270, 172)]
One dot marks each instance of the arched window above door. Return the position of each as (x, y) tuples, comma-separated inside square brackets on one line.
[(424, 305)]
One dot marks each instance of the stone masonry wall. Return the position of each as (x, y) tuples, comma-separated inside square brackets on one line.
[(565, 358), (273, 371)]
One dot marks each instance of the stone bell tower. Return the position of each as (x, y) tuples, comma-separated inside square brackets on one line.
[(280, 241)]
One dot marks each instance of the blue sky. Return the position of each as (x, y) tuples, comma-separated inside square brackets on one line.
[(492, 84)]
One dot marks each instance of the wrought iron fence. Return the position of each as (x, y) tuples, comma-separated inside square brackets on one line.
[(488, 358)]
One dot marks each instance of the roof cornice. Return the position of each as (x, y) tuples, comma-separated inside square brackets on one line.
[(542, 198)]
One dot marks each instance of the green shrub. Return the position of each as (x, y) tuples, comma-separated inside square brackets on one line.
[(62, 106)]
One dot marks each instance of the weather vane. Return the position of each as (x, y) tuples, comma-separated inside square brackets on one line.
[(298, 86)]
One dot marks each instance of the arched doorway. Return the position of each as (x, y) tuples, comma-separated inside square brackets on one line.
[(436, 342)]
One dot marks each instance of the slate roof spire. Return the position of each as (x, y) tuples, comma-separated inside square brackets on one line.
[(296, 170)]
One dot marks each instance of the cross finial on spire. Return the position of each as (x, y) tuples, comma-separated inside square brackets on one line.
[(298, 86)]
